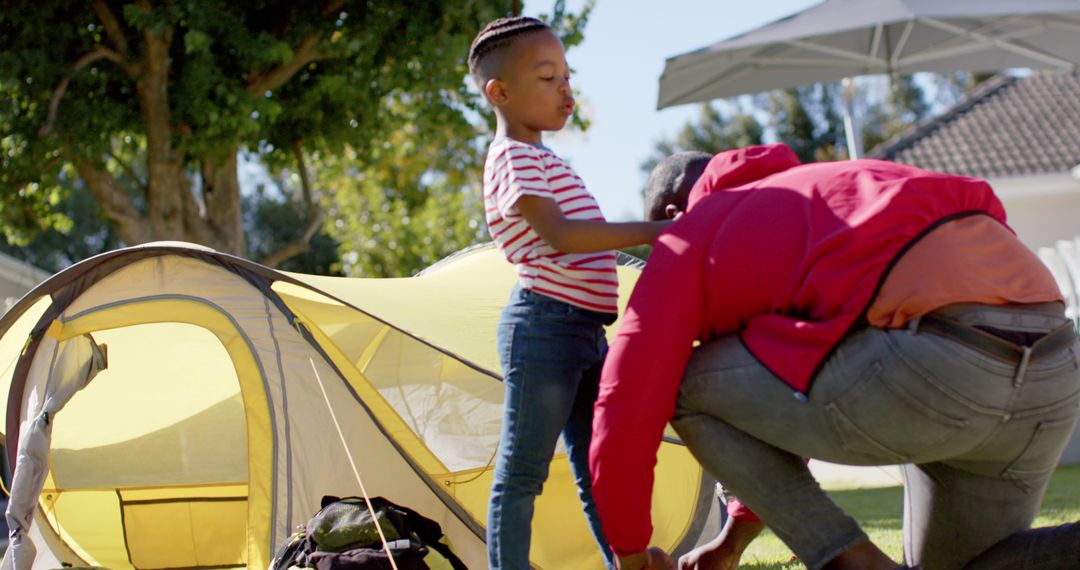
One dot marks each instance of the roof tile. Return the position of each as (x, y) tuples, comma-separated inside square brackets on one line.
[(1008, 126)]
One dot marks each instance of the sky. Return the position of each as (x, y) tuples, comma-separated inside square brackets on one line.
[(616, 74)]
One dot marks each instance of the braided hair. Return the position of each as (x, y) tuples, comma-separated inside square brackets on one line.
[(493, 40)]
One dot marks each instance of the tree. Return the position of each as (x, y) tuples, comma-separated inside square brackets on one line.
[(417, 203), (399, 206), (793, 123), (808, 119), (400, 236), (80, 218), (713, 132), (953, 87), (905, 105), (275, 217), (148, 104)]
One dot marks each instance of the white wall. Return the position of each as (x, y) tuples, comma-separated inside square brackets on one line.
[(1045, 210), (1042, 209), (16, 278)]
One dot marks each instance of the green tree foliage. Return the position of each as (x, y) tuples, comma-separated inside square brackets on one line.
[(951, 88), (712, 132), (808, 119), (146, 105), (385, 232), (905, 105), (793, 123), (275, 217), (80, 218), (400, 205)]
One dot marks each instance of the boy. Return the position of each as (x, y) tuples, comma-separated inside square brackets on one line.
[(551, 336)]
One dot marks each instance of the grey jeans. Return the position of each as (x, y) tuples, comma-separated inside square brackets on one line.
[(979, 443)]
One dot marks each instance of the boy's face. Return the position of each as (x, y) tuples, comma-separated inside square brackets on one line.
[(532, 92)]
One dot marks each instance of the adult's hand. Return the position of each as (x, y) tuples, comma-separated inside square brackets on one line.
[(652, 559)]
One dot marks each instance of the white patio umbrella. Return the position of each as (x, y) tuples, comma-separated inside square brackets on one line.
[(840, 39)]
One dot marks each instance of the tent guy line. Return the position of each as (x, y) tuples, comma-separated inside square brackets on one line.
[(352, 464)]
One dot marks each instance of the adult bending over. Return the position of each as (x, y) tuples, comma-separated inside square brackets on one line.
[(859, 312)]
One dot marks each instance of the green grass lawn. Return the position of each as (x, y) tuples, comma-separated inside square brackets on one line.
[(880, 511)]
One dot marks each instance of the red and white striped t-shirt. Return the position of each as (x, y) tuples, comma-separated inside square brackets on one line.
[(515, 169)]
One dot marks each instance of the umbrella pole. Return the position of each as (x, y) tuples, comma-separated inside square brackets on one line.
[(851, 125)]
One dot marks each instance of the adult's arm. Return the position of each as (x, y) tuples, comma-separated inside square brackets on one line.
[(640, 383)]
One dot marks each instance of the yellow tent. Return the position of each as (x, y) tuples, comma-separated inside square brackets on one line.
[(174, 407)]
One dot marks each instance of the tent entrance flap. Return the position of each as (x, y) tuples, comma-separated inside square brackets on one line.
[(149, 463)]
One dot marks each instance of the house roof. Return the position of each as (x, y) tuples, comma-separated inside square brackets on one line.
[(1008, 126)]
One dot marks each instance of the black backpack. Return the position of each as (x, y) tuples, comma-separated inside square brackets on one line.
[(342, 536)]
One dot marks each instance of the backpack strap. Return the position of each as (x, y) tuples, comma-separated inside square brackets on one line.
[(429, 532)]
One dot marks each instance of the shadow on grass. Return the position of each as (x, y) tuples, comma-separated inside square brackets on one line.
[(874, 508), (880, 512)]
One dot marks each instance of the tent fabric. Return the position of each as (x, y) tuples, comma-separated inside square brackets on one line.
[(847, 38), (207, 438), (74, 363)]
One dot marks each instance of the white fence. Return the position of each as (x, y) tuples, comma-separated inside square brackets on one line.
[(1064, 262)]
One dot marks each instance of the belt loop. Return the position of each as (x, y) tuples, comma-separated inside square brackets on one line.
[(1021, 369), (913, 325)]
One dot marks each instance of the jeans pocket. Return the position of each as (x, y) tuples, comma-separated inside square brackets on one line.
[(878, 421), (1039, 456)]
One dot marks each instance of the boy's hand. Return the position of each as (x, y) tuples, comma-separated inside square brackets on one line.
[(582, 236), (652, 559)]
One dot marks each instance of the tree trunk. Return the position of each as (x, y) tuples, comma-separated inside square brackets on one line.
[(172, 210), (132, 226), (221, 195), (218, 225), (166, 185)]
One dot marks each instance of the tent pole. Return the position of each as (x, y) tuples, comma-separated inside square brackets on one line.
[(851, 126)]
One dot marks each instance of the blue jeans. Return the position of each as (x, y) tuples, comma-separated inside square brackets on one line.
[(979, 437), (551, 353)]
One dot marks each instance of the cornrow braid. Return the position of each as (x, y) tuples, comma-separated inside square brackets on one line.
[(495, 37)]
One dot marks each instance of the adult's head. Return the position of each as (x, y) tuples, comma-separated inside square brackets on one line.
[(520, 66), (670, 182)]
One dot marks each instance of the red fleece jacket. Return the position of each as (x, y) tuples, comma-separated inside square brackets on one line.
[(788, 257)]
